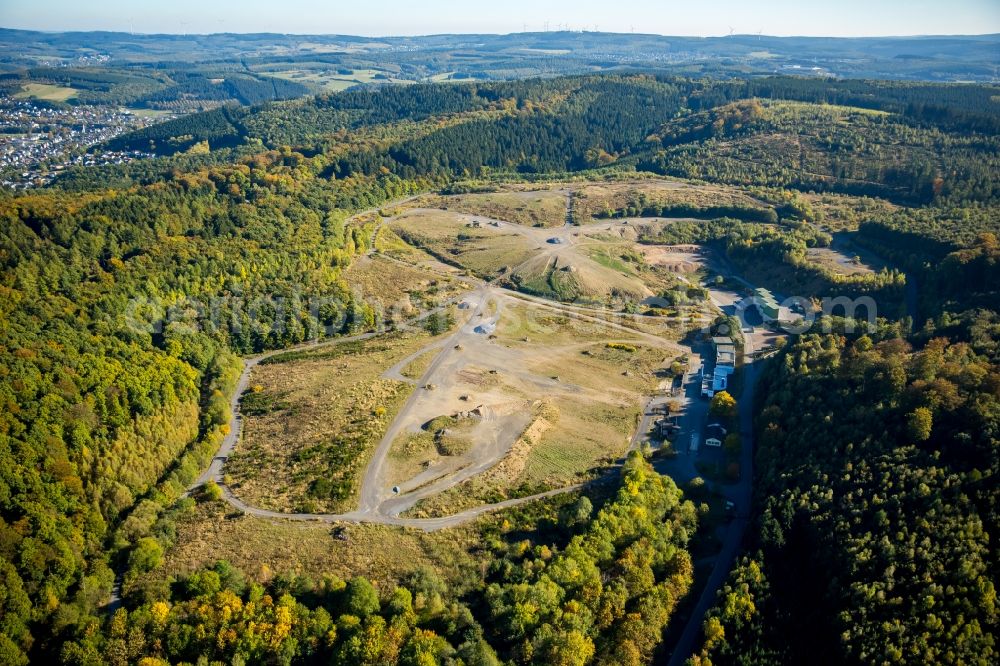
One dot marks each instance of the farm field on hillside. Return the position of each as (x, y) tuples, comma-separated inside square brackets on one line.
[(47, 92)]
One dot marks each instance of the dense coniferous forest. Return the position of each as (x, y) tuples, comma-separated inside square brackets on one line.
[(903, 149), (877, 449), (876, 464), (155, 89), (895, 504), (832, 148)]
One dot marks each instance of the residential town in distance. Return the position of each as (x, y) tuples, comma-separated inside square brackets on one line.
[(38, 141)]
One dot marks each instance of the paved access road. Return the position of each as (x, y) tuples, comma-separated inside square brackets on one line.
[(740, 493)]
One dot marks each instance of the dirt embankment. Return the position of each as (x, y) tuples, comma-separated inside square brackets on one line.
[(512, 464)]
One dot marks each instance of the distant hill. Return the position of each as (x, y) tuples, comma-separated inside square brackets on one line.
[(329, 62), (912, 142)]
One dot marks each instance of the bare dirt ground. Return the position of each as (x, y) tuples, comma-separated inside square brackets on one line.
[(529, 384), (674, 258), (525, 391), (492, 385), (564, 263)]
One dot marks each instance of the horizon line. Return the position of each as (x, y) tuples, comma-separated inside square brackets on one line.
[(498, 34)]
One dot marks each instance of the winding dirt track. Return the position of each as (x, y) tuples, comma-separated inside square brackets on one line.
[(378, 503)]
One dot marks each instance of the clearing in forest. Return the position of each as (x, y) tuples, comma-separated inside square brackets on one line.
[(311, 422)]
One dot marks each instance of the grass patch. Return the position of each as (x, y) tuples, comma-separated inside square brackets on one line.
[(439, 423), (484, 251), (398, 288), (593, 201), (410, 453), (264, 548), (441, 436), (623, 261), (314, 422), (330, 351), (581, 444), (47, 92), (258, 403), (545, 208), (389, 243), (542, 326), (555, 283), (416, 368)]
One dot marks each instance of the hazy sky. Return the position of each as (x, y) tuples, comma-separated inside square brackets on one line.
[(410, 17)]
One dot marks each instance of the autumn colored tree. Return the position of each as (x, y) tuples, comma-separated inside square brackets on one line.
[(723, 405)]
